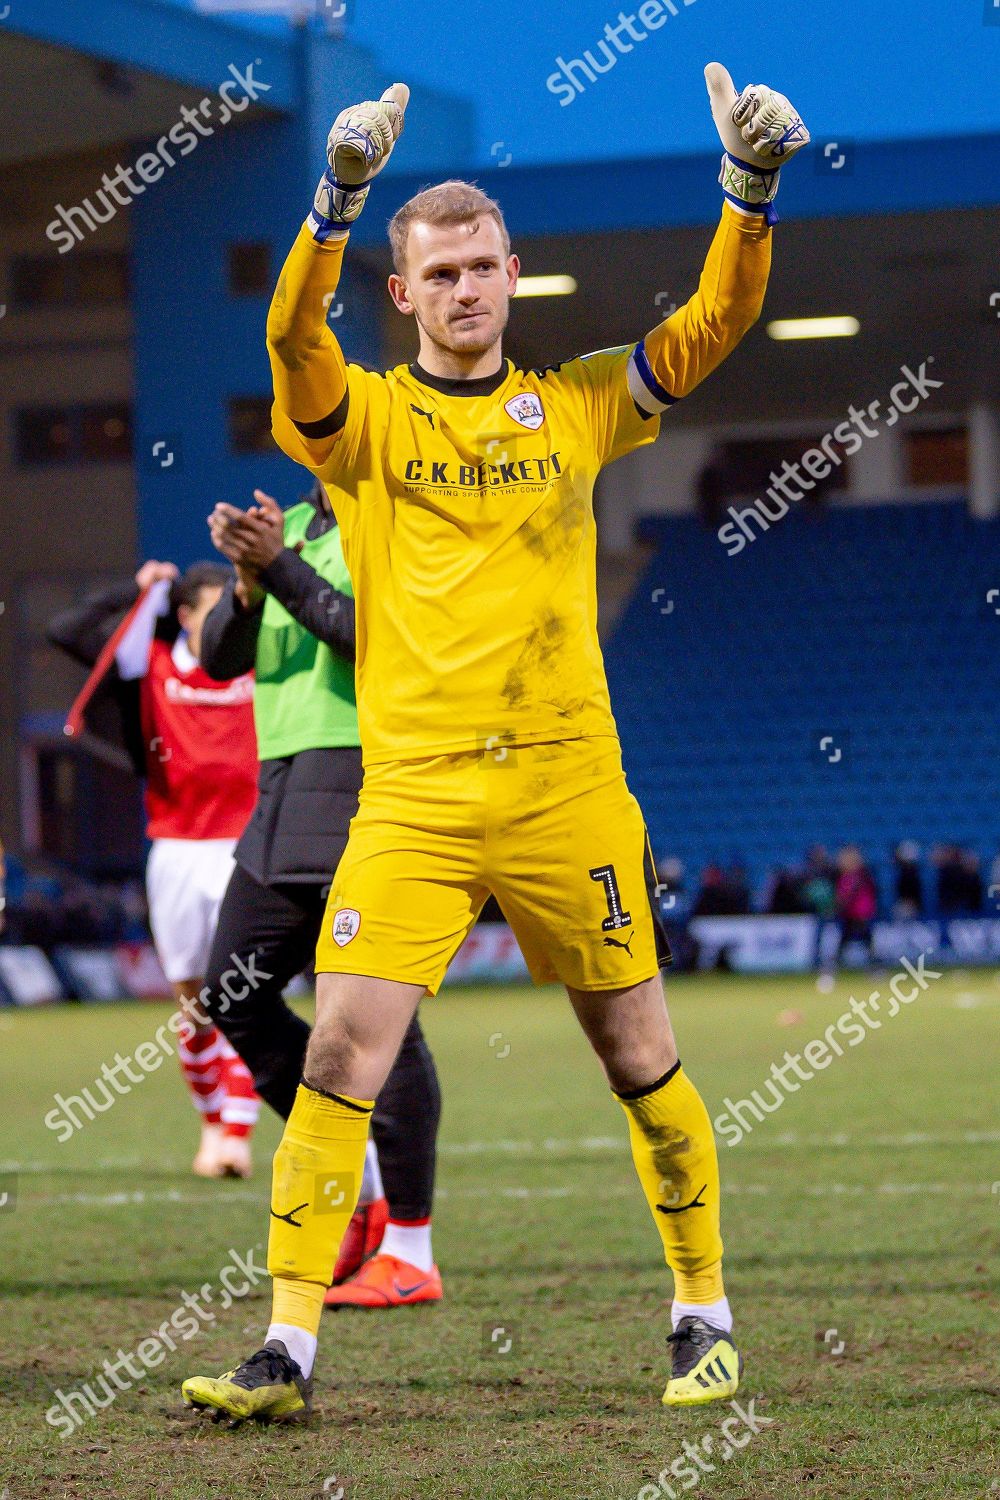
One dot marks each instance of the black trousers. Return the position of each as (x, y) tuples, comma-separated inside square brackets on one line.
[(855, 931), (265, 936)]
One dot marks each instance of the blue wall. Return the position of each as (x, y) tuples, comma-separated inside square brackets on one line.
[(862, 71), (478, 77), (195, 344), (163, 39)]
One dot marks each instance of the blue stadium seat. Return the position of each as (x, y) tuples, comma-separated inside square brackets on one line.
[(869, 625)]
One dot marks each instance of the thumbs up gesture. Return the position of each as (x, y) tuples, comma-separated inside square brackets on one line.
[(358, 147), (760, 130), (363, 136), (759, 126)]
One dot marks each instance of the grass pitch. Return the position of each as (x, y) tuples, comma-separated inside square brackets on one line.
[(860, 1219)]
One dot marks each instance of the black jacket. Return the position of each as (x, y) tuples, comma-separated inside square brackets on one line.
[(82, 631), (229, 634), (305, 802)]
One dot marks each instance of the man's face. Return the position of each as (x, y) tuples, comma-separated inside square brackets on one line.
[(191, 617), (457, 283)]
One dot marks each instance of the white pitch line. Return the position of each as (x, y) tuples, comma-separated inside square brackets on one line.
[(898, 1189), (740, 1189), (790, 1139), (552, 1146), (140, 1199)]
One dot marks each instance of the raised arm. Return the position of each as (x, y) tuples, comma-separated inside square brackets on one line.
[(83, 630), (698, 336), (760, 131), (229, 637), (307, 364)]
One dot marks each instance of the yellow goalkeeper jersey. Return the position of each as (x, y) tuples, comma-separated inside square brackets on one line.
[(466, 516), (466, 507)]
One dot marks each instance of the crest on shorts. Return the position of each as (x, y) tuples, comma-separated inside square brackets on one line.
[(526, 409), (346, 923)]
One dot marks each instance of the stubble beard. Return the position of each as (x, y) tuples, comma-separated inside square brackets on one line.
[(478, 344)]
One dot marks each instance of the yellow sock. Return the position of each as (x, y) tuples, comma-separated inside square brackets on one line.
[(297, 1302), (315, 1182), (674, 1153)]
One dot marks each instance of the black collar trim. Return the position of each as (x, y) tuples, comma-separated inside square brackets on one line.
[(485, 386)]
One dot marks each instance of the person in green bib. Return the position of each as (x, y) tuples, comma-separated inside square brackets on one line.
[(289, 616)]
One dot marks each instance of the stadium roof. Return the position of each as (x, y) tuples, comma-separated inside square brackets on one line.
[(91, 100), (117, 69)]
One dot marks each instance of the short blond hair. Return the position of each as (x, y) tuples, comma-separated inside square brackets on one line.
[(452, 202)]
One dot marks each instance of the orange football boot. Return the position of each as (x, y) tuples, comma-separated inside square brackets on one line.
[(385, 1281), (363, 1237)]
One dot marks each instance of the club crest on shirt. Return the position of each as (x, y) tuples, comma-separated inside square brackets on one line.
[(346, 923), (527, 409)]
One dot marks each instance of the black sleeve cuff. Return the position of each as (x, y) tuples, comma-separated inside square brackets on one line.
[(329, 425), (280, 576)]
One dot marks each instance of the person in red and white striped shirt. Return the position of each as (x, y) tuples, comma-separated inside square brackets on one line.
[(193, 740)]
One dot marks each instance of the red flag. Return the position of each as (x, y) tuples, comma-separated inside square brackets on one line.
[(128, 648)]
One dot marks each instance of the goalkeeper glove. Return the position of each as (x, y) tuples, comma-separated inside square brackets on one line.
[(760, 131), (358, 147)]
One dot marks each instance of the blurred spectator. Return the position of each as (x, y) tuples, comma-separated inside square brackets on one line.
[(670, 875), (959, 881), (857, 900), (994, 890), (784, 896), (947, 861), (909, 900), (972, 884), (737, 886), (723, 893), (47, 905), (131, 898), (710, 900), (818, 886), (674, 902)]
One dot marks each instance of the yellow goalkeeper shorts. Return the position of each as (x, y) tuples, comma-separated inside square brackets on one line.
[(552, 831)]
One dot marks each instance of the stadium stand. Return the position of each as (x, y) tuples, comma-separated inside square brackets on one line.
[(836, 681)]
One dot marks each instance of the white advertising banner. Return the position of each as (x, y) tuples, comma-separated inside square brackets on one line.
[(490, 952), (28, 977), (756, 945)]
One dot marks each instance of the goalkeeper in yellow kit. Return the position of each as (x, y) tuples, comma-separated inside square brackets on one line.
[(463, 487)]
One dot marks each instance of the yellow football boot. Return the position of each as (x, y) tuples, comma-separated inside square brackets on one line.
[(267, 1387), (705, 1365)]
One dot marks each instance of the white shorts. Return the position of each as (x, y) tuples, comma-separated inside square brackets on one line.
[(186, 880)]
